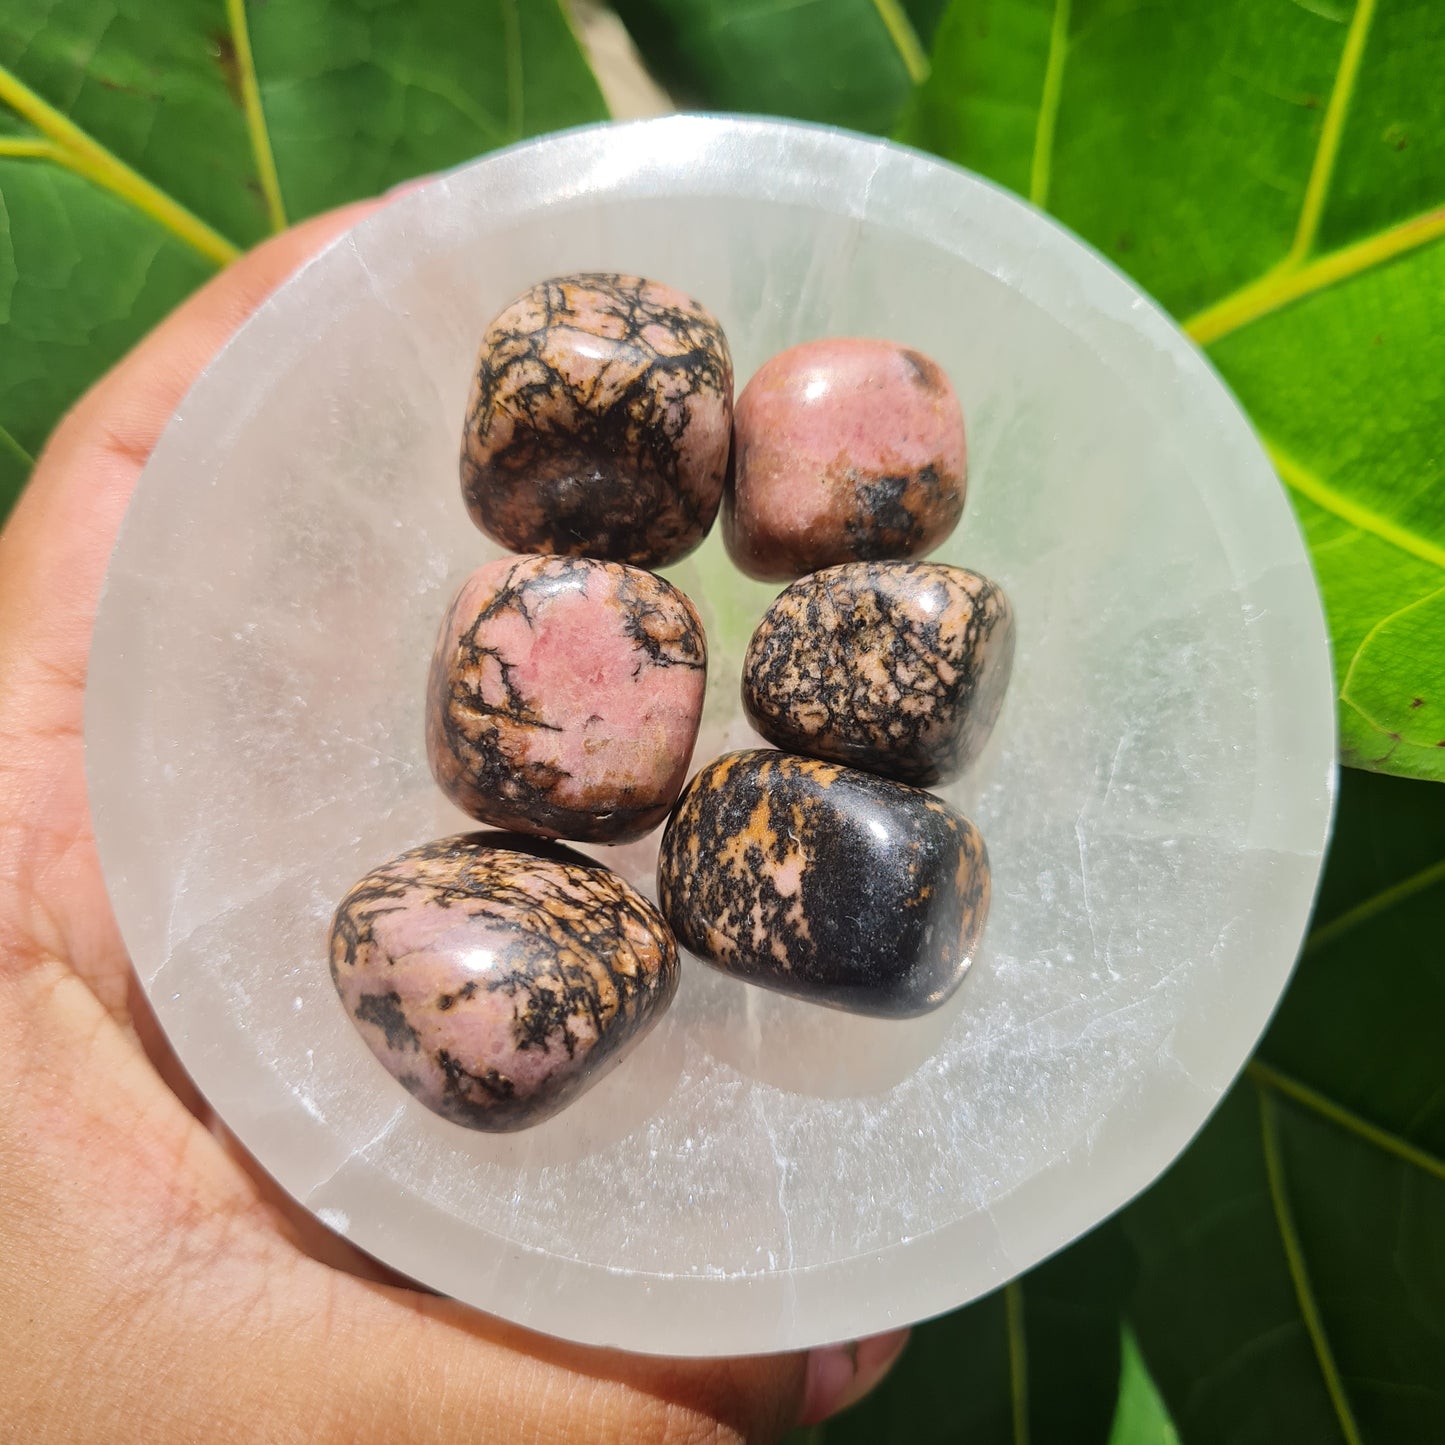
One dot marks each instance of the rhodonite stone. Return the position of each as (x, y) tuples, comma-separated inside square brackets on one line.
[(847, 450), (896, 667), (496, 978), (565, 696), (600, 421), (824, 882)]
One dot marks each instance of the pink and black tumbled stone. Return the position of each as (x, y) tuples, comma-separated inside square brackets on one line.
[(565, 696), (816, 880), (899, 668), (846, 449), (497, 979), (600, 421)]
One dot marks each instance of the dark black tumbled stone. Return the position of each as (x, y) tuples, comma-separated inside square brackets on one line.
[(824, 882)]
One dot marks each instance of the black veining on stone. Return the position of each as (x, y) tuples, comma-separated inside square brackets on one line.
[(465, 730), (588, 469), (899, 668), (568, 926)]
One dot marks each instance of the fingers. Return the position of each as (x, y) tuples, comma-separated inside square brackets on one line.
[(639, 1397), (460, 1370), (452, 1375), (841, 1375), (459, 1376)]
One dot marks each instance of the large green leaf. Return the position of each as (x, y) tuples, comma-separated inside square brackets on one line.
[(1292, 1264), (144, 142), (847, 62), (1038, 1361), (1274, 173)]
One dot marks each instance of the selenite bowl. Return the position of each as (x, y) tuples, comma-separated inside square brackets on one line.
[(761, 1174)]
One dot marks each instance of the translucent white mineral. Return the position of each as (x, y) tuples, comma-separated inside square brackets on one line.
[(761, 1173)]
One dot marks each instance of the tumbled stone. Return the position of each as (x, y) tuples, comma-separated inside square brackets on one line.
[(896, 667), (820, 881), (600, 421), (565, 696), (847, 449), (496, 978)]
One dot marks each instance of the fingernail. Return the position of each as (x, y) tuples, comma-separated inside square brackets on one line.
[(840, 1375)]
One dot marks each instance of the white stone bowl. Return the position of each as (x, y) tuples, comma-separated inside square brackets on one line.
[(760, 1174)]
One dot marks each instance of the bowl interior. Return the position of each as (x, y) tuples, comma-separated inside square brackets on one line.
[(761, 1174)]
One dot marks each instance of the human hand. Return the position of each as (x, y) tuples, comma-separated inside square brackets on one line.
[(158, 1287)]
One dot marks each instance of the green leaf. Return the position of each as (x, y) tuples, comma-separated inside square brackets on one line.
[(1036, 1363), (1274, 174), (846, 62), (153, 84), (360, 95), (1292, 1264), (82, 274), (925, 15), (1141, 1418), (143, 143)]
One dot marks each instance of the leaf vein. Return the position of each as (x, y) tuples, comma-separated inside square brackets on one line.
[(1322, 494), (904, 37), (1243, 1354), (82, 153), (1369, 637), (7, 440), (1292, 277), (1281, 285), (1344, 539), (1299, 1275), (29, 148), (1317, 187), (1352, 757), (255, 114), (457, 98), (1018, 1361), (1375, 904), (1041, 168)]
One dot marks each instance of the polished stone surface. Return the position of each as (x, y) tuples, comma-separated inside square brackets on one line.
[(830, 884), (847, 449), (497, 979), (564, 697), (599, 421), (899, 668)]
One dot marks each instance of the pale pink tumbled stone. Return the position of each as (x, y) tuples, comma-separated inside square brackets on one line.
[(565, 696), (496, 978), (846, 449)]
